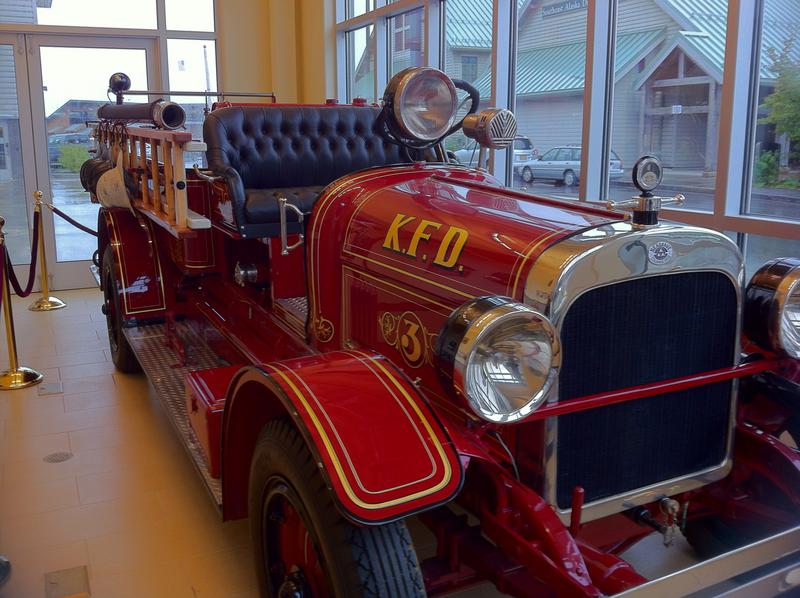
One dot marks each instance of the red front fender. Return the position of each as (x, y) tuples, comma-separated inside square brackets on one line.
[(380, 448)]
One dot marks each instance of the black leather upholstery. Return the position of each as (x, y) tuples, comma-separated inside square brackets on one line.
[(261, 205), (297, 150)]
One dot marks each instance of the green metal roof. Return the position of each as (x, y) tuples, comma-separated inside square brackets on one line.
[(561, 69), (468, 23), (705, 25)]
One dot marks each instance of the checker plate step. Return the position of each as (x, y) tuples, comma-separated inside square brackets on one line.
[(166, 373)]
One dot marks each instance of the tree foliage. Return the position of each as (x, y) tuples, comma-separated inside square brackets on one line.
[(783, 104), (72, 156)]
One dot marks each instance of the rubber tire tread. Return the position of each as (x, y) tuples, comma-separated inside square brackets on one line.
[(370, 562), (124, 358)]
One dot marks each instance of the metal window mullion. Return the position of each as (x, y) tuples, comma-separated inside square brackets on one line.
[(501, 73), (432, 23), (739, 97), (341, 52), (598, 98), (389, 10), (382, 57), (181, 34)]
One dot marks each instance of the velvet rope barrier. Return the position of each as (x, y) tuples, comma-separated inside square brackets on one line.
[(2, 271), (71, 220), (12, 277)]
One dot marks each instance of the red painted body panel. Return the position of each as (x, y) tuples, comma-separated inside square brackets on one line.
[(206, 394), (382, 450), (393, 251), (136, 249)]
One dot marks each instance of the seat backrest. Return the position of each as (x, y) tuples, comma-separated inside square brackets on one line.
[(296, 146)]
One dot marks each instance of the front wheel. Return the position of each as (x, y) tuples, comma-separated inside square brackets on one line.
[(569, 178), (121, 352), (527, 174), (303, 545)]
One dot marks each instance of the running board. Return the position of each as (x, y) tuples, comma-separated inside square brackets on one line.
[(167, 373)]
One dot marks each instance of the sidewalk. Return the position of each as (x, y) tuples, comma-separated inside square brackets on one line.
[(679, 180)]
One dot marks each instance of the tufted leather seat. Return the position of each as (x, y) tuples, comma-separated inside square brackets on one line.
[(267, 152)]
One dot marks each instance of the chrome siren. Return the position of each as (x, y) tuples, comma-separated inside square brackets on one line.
[(493, 128)]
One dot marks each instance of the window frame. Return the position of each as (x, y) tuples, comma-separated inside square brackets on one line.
[(160, 34), (739, 97)]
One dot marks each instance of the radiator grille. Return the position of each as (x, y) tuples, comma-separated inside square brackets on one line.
[(637, 332)]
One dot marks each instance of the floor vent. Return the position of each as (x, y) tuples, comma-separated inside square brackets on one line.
[(58, 457)]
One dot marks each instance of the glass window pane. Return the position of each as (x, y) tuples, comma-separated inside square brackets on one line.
[(190, 15), (776, 152), (13, 198), (192, 67), (406, 41), (468, 56), (359, 7), (667, 91), (759, 249), (360, 64), (551, 61), (96, 13), (72, 97)]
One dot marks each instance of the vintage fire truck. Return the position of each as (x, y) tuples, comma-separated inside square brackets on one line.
[(348, 329)]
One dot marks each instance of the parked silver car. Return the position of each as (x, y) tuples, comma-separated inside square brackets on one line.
[(524, 157), (563, 165)]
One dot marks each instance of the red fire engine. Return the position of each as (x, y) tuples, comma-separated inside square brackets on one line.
[(347, 329)]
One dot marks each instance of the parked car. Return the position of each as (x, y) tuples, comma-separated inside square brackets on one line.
[(563, 165), (346, 339), (524, 156)]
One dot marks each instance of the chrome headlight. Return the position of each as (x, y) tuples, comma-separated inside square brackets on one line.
[(772, 307), (423, 103), (503, 357)]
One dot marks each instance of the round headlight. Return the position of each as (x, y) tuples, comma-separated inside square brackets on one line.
[(503, 357), (772, 307), (423, 103)]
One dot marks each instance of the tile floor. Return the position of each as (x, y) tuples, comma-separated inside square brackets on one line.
[(128, 504)]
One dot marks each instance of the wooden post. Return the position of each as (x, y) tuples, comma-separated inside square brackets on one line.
[(156, 198), (181, 201), (143, 169), (169, 183)]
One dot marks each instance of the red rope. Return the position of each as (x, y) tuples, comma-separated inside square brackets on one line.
[(12, 277), (2, 272), (72, 221)]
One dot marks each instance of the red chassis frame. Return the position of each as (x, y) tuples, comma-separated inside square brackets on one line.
[(357, 409)]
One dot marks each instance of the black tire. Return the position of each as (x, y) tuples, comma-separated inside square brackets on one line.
[(122, 355), (347, 560), (527, 174), (569, 178)]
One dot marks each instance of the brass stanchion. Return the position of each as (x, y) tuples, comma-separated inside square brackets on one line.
[(45, 302), (15, 376)]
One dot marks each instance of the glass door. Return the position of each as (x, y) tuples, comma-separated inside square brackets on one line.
[(68, 82), (17, 169)]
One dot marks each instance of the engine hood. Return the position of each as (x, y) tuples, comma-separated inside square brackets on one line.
[(456, 232)]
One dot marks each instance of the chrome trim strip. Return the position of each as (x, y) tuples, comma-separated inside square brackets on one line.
[(610, 254), (746, 559)]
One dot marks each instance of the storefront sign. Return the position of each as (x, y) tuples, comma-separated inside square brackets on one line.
[(560, 8)]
